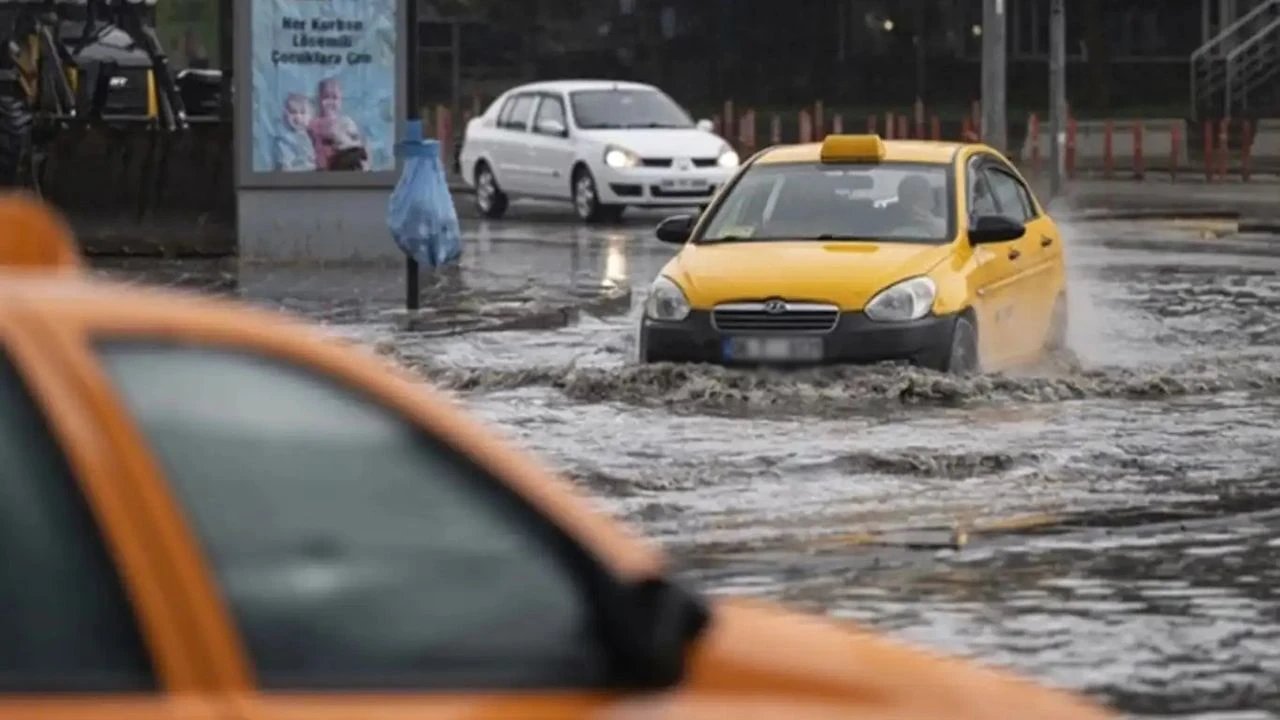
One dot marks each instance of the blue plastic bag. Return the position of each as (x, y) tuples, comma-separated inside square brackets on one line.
[(421, 215)]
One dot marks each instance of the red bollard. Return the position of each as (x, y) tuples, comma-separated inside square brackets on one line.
[(1137, 150), (889, 126), (837, 124), (1033, 133), (775, 130), (871, 124), (806, 127), (1071, 148), (904, 132), (444, 134), (1107, 160), (1208, 151), (1224, 149), (1246, 148), (747, 133), (1175, 141), (935, 128)]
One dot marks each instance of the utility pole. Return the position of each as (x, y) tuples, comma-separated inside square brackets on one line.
[(994, 123), (1057, 95)]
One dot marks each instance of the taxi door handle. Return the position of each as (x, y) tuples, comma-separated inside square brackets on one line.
[(1014, 254), (1045, 241)]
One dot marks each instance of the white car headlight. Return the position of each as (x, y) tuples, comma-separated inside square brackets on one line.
[(910, 299), (616, 157), (728, 158), (666, 301)]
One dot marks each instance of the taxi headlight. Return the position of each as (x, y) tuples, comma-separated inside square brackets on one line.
[(910, 299), (728, 158), (616, 157), (666, 301)]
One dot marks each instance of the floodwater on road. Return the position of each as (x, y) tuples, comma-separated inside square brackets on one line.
[(1110, 525)]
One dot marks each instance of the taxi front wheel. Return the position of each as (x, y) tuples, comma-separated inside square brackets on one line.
[(962, 358)]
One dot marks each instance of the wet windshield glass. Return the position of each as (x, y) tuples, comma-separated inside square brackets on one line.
[(598, 109), (802, 201)]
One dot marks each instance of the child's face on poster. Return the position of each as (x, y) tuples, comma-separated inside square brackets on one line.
[(298, 113), (330, 99)]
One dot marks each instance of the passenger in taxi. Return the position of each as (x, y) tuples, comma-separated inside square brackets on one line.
[(916, 209)]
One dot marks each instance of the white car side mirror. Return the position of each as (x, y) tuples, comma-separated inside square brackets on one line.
[(706, 125), (551, 127)]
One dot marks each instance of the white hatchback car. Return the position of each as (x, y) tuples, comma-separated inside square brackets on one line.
[(602, 145)]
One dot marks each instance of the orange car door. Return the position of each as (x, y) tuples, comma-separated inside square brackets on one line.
[(993, 270), (1038, 277), (76, 639), (368, 569)]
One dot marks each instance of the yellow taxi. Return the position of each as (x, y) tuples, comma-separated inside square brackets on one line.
[(213, 513), (858, 249)]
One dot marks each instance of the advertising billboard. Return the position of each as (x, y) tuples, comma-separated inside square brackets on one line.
[(323, 85)]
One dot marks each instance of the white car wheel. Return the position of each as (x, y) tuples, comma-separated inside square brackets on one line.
[(490, 200)]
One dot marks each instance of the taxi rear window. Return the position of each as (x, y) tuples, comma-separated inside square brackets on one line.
[(901, 202)]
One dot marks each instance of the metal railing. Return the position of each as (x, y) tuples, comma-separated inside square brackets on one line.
[(1236, 61)]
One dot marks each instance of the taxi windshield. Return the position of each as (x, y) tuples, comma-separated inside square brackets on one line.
[(901, 202), (600, 109)]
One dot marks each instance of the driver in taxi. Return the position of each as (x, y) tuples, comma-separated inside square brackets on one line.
[(915, 205)]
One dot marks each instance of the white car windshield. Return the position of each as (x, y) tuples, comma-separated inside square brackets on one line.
[(599, 109), (902, 202)]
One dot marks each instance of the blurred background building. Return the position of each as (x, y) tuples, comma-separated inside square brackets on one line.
[(1125, 56)]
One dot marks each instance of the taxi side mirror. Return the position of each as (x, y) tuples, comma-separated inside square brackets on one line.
[(652, 629), (706, 125), (676, 229), (994, 229)]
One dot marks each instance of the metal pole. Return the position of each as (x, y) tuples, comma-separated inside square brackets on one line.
[(412, 294), (921, 50), (1057, 95), (455, 54), (994, 124)]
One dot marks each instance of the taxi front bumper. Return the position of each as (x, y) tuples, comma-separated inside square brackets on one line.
[(855, 339)]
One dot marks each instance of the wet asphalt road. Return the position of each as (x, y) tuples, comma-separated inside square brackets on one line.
[(1110, 525)]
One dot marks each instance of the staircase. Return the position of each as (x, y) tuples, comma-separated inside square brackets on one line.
[(1236, 72)]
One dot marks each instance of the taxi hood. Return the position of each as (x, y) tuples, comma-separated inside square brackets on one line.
[(845, 273), (775, 654)]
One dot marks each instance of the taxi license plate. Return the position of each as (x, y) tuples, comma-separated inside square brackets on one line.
[(684, 184), (773, 349)]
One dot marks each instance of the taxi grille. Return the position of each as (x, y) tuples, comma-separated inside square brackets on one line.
[(757, 317)]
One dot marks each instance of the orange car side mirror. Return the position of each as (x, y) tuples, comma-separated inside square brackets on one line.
[(33, 235)]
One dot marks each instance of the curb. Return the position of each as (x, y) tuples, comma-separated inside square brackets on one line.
[(553, 317), (1261, 226)]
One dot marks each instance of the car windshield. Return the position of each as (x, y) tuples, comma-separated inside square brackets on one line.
[(599, 109), (904, 202)]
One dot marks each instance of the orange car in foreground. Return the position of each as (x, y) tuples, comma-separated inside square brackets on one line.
[(212, 513)]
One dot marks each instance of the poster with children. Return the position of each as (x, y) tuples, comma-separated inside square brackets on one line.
[(324, 85)]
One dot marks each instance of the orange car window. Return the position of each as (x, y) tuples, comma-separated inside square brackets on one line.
[(355, 552), (65, 623), (1010, 194)]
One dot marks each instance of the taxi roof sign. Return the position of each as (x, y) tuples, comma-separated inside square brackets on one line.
[(852, 148), (33, 236)]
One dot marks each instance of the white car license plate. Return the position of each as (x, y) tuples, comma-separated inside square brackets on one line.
[(684, 184), (773, 349)]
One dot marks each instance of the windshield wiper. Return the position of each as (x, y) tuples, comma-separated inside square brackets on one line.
[(726, 238), (656, 125)]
